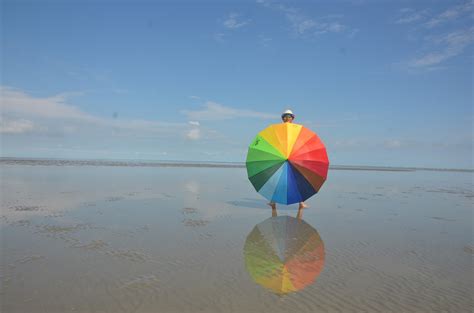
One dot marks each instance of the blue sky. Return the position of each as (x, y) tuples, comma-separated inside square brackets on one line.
[(381, 82)]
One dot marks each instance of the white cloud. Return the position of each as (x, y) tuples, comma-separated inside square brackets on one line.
[(194, 134), (398, 144), (448, 46), (304, 25), (406, 10), (194, 123), (18, 126), (439, 47), (219, 37), (23, 113), (300, 23), (233, 22), (451, 14), (17, 102), (264, 41), (408, 16), (353, 33), (216, 111), (392, 143), (335, 27)]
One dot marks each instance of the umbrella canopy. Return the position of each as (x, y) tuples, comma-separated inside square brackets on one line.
[(284, 254), (287, 163)]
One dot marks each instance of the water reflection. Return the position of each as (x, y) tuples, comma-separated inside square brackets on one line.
[(284, 254)]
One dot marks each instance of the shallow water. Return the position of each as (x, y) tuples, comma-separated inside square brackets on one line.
[(79, 238)]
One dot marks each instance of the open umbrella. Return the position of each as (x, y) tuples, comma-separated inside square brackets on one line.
[(284, 254), (287, 163)]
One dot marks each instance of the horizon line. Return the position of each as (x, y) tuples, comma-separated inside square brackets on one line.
[(183, 163)]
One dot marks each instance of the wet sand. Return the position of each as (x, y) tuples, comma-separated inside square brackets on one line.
[(78, 238)]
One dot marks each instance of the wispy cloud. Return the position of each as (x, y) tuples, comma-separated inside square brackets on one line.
[(216, 111), (219, 37), (448, 45), (408, 15), (16, 126), (302, 24), (17, 102), (264, 40), (194, 134), (400, 144), (441, 35), (392, 143), (451, 14), (353, 33), (23, 113), (194, 123), (233, 21), (430, 20)]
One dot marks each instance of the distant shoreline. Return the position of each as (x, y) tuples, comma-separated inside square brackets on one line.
[(137, 163)]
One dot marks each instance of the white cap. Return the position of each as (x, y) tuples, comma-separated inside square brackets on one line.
[(287, 112)]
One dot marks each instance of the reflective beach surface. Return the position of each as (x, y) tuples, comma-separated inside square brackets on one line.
[(91, 238)]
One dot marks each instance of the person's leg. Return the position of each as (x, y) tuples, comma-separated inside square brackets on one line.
[(274, 212), (273, 205), (299, 215), (302, 206)]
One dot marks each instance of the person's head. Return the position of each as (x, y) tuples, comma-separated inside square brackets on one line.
[(287, 116)]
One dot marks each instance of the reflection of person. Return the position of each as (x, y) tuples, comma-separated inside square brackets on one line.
[(287, 117)]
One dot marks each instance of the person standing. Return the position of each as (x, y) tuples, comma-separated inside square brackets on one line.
[(287, 117)]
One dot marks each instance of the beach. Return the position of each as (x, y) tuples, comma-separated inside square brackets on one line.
[(135, 237)]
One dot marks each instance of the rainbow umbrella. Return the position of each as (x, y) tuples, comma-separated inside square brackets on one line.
[(284, 254), (287, 163)]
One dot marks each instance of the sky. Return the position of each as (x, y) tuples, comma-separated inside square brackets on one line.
[(384, 83)]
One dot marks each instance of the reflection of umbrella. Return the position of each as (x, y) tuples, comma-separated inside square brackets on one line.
[(284, 254), (287, 163)]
